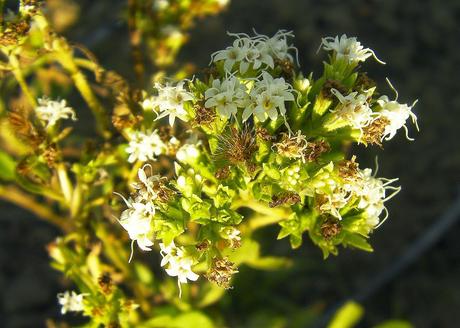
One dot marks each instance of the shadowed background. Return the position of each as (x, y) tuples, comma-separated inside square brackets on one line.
[(419, 42)]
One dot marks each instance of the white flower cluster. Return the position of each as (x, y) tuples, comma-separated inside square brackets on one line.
[(145, 146), (255, 51), (266, 98), (355, 110), (137, 218), (348, 48), (70, 301), (169, 101), (51, 111), (368, 191), (177, 264), (397, 114), (372, 196)]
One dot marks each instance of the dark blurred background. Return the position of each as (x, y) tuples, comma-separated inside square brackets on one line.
[(419, 40)]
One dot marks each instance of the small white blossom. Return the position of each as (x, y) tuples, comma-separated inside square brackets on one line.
[(145, 191), (170, 101), (51, 111), (145, 146), (354, 109), (372, 195), (226, 96), (278, 45), (70, 301), (397, 114), (333, 202), (255, 51), (177, 264), (348, 48), (232, 234), (136, 220), (233, 54), (269, 96)]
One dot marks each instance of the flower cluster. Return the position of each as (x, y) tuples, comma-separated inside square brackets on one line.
[(145, 146), (255, 52), (70, 302), (178, 263), (50, 111), (169, 102), (348, 48), (242, 152)]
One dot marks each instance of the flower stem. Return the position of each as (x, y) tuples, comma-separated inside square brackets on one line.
[(14, 195), (17, 72)]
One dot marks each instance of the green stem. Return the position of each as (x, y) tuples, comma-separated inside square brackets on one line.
[(17, 72), (17, 197)]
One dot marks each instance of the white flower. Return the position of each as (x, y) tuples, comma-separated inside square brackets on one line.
[(143, 147), (170, 101), (397, 115), (178, 264), (372, 196), (333, 202), (70, 301), (269, 96), (278, 46), (256, 51), (136, 220), (226, 96), (188, 153), (51, 111), (348, 48), (145, 191), (233, 54), (354, 109)]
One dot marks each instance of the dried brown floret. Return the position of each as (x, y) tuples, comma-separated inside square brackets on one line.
[(290, 198), (221, 272), (374, 132), (330, 228)]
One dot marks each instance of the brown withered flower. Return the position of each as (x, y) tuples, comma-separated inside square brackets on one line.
[(292, 146), (236, 146), (221, 272), (315, 149), (263, 134), (374, 132), (203, 116), (348, 169), (105, 283), (289, 198), (222, 173), (330, 228)]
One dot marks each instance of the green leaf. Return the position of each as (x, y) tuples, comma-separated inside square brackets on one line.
[(270, 263), (7, 167), (210, 295), (249, 251), (347, 316), (358, 242), (191, 319)]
